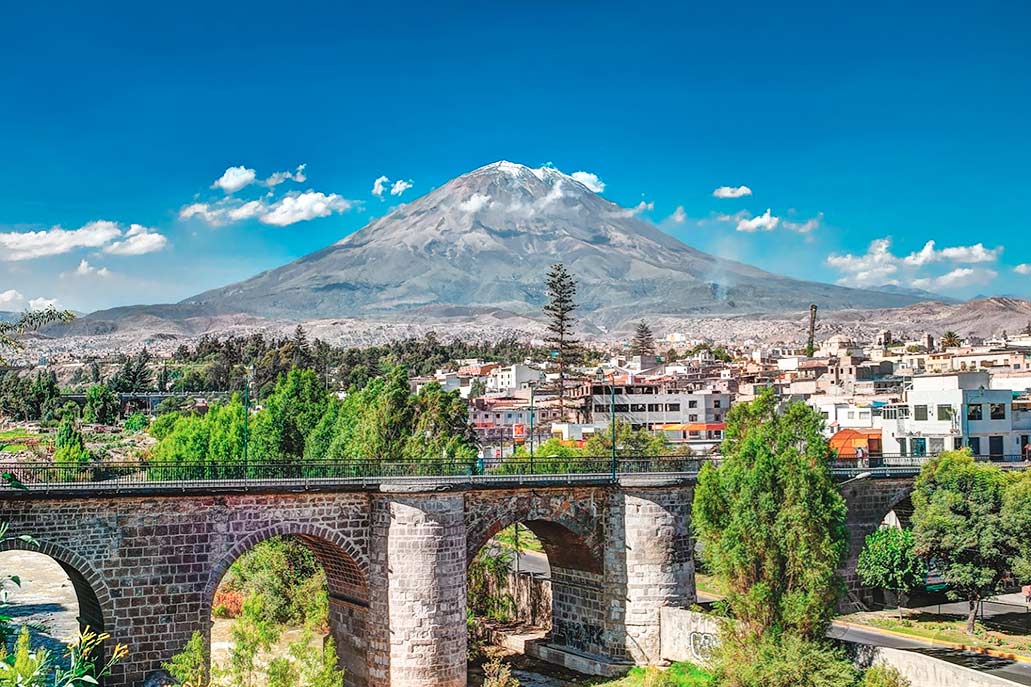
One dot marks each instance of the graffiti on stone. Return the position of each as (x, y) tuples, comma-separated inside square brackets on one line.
[(579, 636), (702, 645)]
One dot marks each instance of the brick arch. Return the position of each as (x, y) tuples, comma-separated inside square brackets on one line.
[(96, 608), (345, 564), (568, 535)]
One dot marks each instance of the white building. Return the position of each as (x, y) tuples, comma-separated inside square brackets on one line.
[(512, 377), (947, 411)]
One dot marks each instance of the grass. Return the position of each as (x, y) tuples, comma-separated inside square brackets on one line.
[(15, 434), (706, 584), (13, 448), (677, 675), (948, 629)]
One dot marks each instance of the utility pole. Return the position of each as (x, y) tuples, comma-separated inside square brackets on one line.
[(246, 416), (531, 427), (612, 417)]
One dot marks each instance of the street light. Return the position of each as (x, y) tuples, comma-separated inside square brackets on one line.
[(600, 376), (857, 478)]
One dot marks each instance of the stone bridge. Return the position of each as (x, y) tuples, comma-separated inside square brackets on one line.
[(145, 564)]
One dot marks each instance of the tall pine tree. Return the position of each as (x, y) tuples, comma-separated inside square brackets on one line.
[(561, 322), (643, 343)]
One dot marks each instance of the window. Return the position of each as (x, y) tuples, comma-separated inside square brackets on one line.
[(622, 408), (654, 407), (919, 414), (637, 407), (957, 443), (936, 445), (975, 412), (997, 411), (693, 417), (692, 404), (902, 447), (717, 417), (975, 445), (599, 408), (851, 415), (944, 412), (672, 407), (716, 403), (919, 447)]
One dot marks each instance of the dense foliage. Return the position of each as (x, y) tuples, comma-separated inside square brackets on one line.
[(888, 560), (969, 519), (772, 521), (69, 445)]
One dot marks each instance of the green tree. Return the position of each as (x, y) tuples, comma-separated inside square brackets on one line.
[(137, 422), (883, 675), (101, 405), (294, 409), (477, 388), (643, 343), (134, 374), (630, 443), (958, 523), (69, 445), (782, 660), (190, 666), (558, 310), (888, 561), (772, 521), (250, 636)]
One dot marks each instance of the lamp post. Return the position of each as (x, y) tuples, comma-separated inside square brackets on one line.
[(531, 385), (246, 415), (600, 375)]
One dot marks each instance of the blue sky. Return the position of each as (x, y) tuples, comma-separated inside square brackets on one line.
[(905, 124)]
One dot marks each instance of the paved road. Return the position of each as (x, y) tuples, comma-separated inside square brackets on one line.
[(1015, 671)]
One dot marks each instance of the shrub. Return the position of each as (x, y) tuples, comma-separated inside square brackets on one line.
[(288, 577), (498, 674), (190, 665), (137, 422), (227, 603), (883, 675), (781, 661)]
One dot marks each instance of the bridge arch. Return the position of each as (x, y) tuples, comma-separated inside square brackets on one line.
[(570, 534), (96, 608), (346, 568)]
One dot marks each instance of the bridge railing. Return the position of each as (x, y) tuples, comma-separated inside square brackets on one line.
[(292, 474)]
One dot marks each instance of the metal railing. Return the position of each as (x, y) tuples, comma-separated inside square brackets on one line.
[(138, 475)]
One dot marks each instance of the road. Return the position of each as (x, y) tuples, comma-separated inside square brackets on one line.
[(1014, 671)]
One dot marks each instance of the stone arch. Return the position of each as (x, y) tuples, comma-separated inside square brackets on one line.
[(346, 569), (346, 566), (868, 501), (569, 538), (96, 607)]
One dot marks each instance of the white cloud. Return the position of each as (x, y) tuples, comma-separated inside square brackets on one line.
[(959, 277), (732, 192), (139, 240), (1024, 268), (377, 186), (735, 218), (16, 246), (803, 227), (249, 209), (400, 186), (302, 207), (235, 178), (206, 212), (279, 177), (678, 216), (474, 203), (87, 270), (876, 268), (764, 222), (42, 303), (974, 254), (637, 209), (591, 181), (11, 299)]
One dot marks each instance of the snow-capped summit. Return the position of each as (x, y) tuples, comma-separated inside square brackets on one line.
[(484, 241)]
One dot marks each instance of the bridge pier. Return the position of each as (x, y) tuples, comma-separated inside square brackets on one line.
[(658, 561), (417, 628)]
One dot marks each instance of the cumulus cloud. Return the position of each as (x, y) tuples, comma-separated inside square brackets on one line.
[(42, 303), (732, 192), (279, 177), (235, 178), (474, 203), (378, 186), (959, 277), (590, 180), (11, 299), (678, 216), (87, 270), (803, 227), (764, 222), (1024, 268), (205, 211), (301, 207), (15, 246), (876, 268), (400, 186), (139, 240), (974, 254)]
